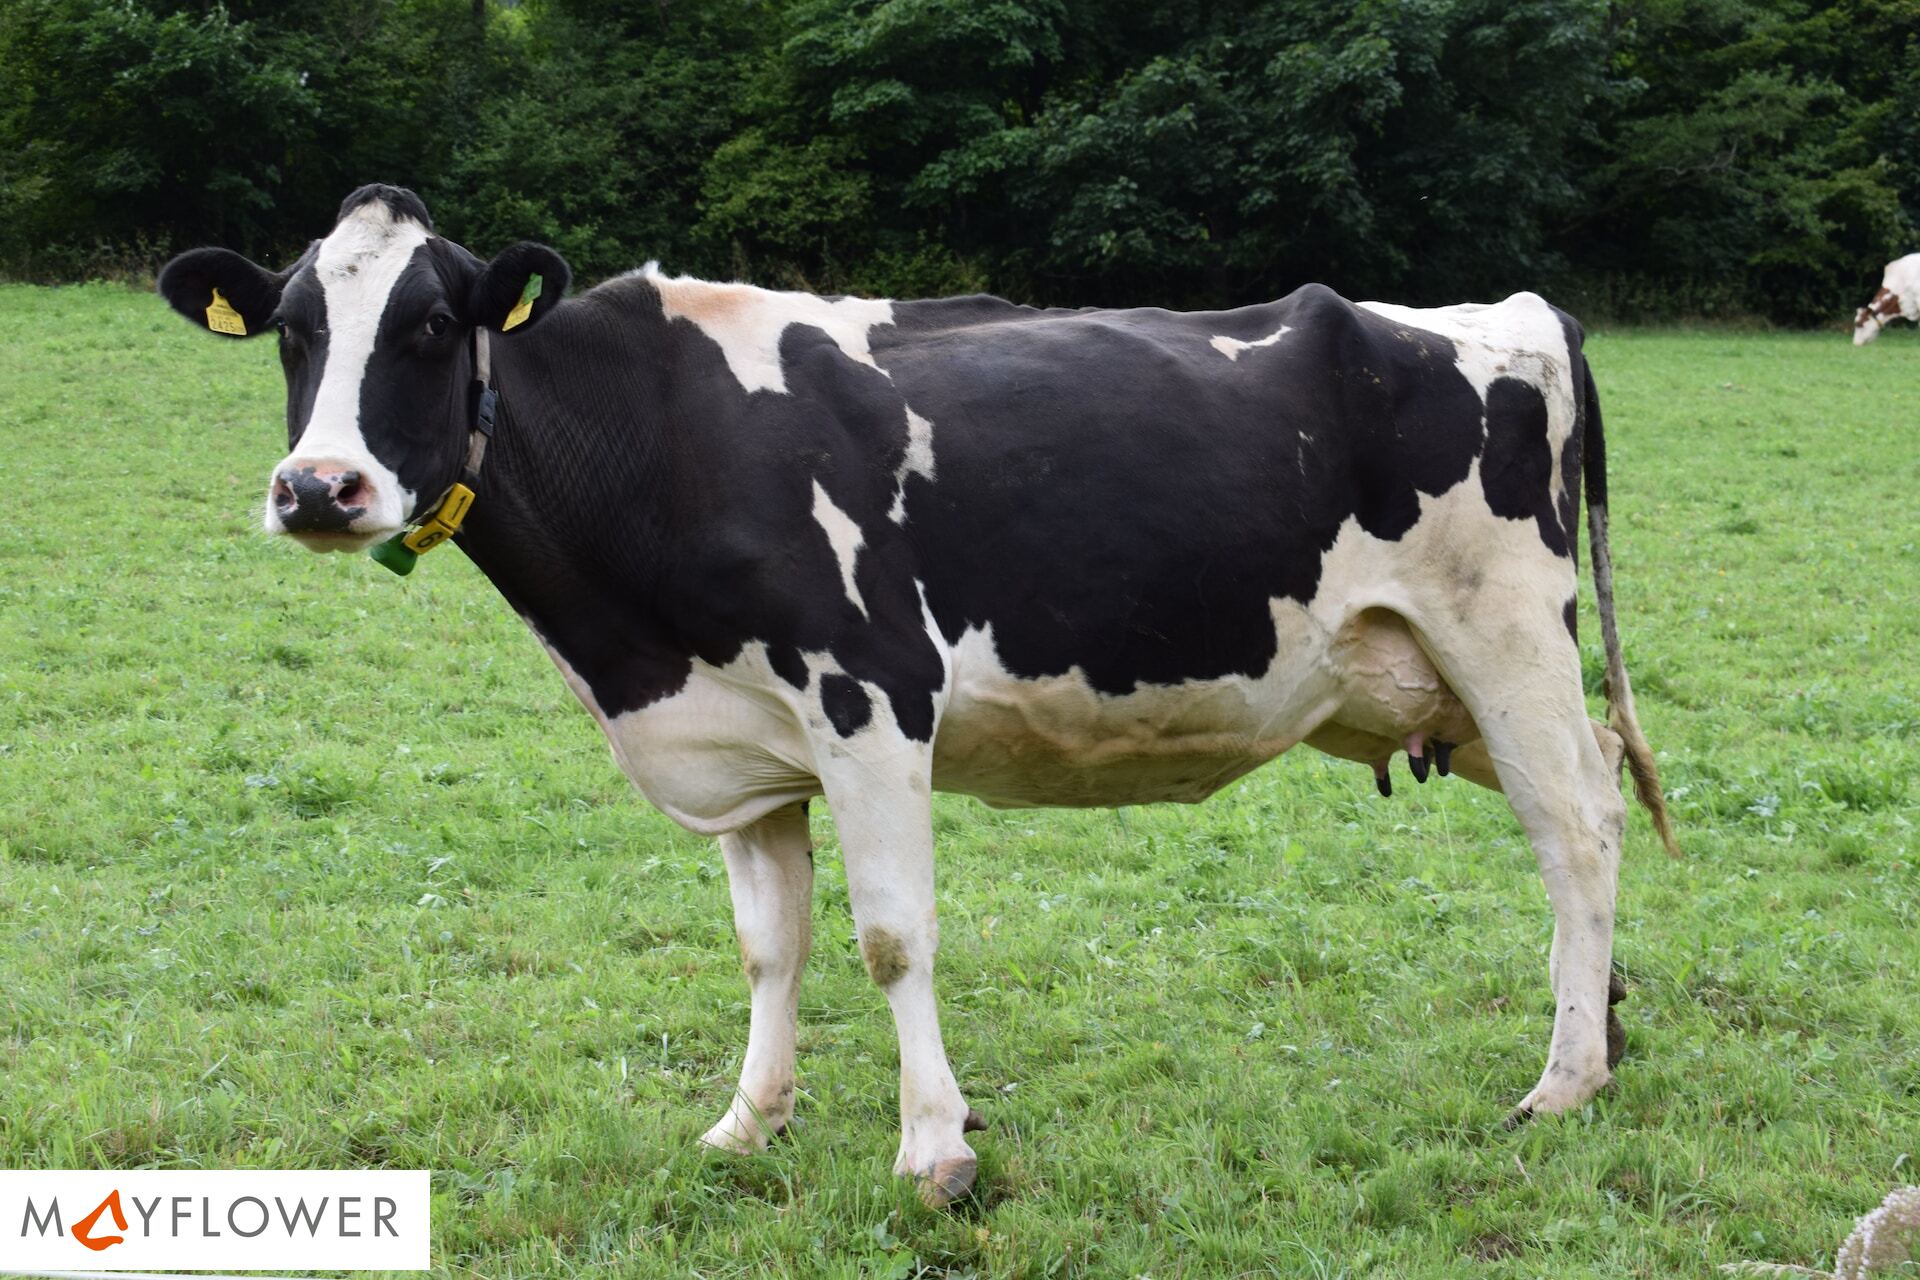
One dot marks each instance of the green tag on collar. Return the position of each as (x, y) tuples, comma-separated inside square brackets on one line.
[(395, 554)]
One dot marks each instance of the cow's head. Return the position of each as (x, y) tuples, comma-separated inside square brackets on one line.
[(375, 325), (1869, 320)]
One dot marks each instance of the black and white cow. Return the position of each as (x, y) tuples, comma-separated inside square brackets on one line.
[(783, 545), (1898, 297)]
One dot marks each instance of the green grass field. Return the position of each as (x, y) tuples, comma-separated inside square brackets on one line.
[(304, 865)]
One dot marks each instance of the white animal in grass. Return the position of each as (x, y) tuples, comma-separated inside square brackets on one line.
[(1899, 298)]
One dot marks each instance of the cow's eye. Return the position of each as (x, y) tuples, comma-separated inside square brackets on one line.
[(279, 326), (437, 325)]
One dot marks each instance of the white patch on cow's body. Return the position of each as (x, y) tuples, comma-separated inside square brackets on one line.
[(726, 749), (918, 461), (357, 266), (1016, 742), (747, 321), (1232, 347), (1520, 338), (845, 538)]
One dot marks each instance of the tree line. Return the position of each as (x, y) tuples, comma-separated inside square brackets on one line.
[(1640, 158)]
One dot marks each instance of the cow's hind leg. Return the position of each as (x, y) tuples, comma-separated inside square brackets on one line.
[(1513, 664), (770, 870), (1472, 762)]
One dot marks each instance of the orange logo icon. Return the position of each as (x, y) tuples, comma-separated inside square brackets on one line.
[(85, 1225)]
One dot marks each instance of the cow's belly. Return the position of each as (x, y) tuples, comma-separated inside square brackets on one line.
[(1014, 742)]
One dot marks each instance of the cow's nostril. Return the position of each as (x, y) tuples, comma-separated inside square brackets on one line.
[(283, 495), (351, 490)]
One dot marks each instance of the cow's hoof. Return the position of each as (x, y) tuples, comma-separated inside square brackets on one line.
[(726, 1138), (740, 1135), (1559, 1092), (950, 1180)]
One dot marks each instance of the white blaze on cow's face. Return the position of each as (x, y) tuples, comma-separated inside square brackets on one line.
[(332, 493)]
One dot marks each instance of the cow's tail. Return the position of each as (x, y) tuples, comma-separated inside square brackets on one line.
[(1620, 714)]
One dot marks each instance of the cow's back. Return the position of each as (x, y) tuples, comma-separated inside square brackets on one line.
[(1126, 491)]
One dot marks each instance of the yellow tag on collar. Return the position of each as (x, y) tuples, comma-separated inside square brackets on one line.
[(523, 308), (222, 318), (442, 522)]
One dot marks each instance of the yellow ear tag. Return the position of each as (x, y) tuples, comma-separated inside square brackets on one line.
[(222, 318), (523, 308)]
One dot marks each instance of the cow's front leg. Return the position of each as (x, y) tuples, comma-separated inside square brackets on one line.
[(770, 870), (886, 838)]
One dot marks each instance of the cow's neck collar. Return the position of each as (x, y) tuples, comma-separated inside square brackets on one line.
[(444, 518)]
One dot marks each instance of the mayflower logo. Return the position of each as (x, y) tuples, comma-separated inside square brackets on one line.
[(217, 1220)]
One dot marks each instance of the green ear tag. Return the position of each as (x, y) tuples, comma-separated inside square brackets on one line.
[(395, 555), (523, 308)]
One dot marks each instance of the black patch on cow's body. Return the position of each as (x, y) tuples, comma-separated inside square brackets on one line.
[(1111, 492), (1516, 471), (1570, 614), (1574, 450), (845, 703), (789, 666)]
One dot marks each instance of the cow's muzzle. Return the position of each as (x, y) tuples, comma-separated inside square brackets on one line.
[(319, 498)]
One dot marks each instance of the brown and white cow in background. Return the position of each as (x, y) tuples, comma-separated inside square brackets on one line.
[(1899, 298)]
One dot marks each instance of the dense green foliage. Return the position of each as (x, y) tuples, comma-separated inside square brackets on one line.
[(306, 865), (1710, 156)]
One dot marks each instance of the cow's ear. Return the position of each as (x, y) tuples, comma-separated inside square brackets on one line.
[(222, 292), (518, 287)]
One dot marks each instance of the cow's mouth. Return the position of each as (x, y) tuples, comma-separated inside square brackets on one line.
[(340, 540)]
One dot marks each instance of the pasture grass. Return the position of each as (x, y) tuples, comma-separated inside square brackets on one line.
[(305, 865)]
